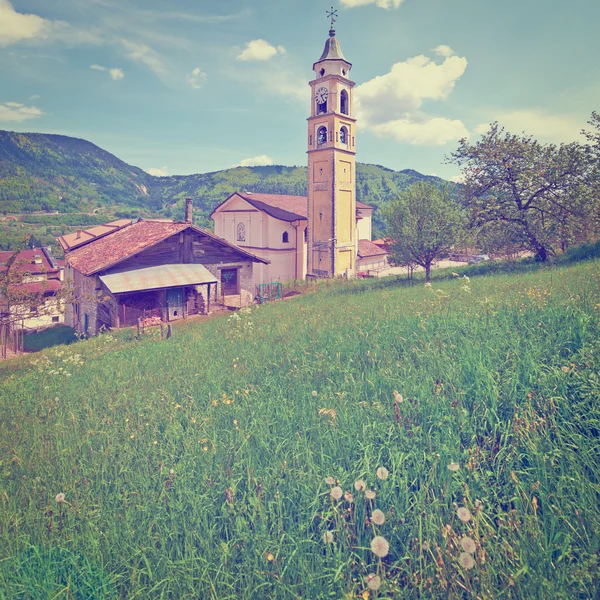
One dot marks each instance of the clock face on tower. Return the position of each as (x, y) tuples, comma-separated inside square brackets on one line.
[(321, 95)]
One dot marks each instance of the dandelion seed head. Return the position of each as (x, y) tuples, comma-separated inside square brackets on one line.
[(348, 497), (314, 393), (360, 485), (328, 537), (60, 498), (373, 581), (382, 473), (370, 495), (466, 560), (398, 397), (336, 492), (380, 546), (468, 544), (378, 517), (464, 514), (171, 472), (329, 480), (453, 467)]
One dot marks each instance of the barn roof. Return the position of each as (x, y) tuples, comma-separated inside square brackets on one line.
[(112, 249), (70, 241), (158, 277)]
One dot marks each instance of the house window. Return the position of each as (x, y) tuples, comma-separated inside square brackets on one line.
[(306, 235), (344, 102), (321, 136), (241, 232), (55, 319), (285, 238), (344, 135)]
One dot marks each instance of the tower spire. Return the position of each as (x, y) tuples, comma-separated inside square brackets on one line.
[(331, 14)]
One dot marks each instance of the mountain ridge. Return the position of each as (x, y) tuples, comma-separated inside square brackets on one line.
[(54, 172)]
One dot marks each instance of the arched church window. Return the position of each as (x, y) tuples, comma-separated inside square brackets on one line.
[(344, 102), (321, 136), (343, 135), (241, 232), (285, 238)]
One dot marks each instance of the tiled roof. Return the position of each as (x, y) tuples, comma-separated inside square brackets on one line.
[(35, 287), (70, 241), (25, 262), (284, 207), (107, 251), (363, 206), (367, 248)]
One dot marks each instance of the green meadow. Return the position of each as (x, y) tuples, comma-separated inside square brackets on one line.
[(362, 440)]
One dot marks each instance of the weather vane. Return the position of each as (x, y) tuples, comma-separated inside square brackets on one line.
[(331, 14)]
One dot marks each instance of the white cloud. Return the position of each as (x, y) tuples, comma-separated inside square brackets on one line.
[(443, 50), (34, 97), (458, 178), (115, 73), (256, 161), (158, 172), (539, 123), (429, 132), (259, 50), (142, 53), (16, 27), (15, 111), (197, 78), (387, 4), (389, 105)]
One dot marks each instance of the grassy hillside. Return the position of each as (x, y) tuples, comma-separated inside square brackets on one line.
[(40, 172), (196, 467)]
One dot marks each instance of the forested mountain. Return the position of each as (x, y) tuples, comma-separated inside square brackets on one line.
[(41, 172)]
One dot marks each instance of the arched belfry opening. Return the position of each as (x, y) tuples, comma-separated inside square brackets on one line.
[(344, 102)]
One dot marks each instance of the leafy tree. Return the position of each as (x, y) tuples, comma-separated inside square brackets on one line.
[(594, 177), (539, 189), (423, 224)]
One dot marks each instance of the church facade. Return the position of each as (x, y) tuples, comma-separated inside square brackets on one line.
[(327, 233)]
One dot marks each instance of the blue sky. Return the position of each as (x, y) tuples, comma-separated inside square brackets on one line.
[(192, 86)]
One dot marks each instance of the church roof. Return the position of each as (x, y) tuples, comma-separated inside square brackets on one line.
[(332, 50), (280, 206), (284, 207)]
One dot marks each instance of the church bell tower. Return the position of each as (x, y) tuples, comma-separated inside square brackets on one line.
[(332, 238)]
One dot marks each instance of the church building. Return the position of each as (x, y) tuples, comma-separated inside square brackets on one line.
[(324, 234)]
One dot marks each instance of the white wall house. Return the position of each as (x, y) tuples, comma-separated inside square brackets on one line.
[(273, 226)]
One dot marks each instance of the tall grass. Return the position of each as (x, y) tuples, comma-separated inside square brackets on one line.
[(196, 467)]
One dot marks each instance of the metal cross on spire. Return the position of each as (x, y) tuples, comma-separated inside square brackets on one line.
[(332, 14)]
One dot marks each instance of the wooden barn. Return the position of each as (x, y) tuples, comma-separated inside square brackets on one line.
[(152, 269)]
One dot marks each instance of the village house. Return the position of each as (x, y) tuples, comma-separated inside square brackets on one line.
[(124, 271), (33, 282)]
